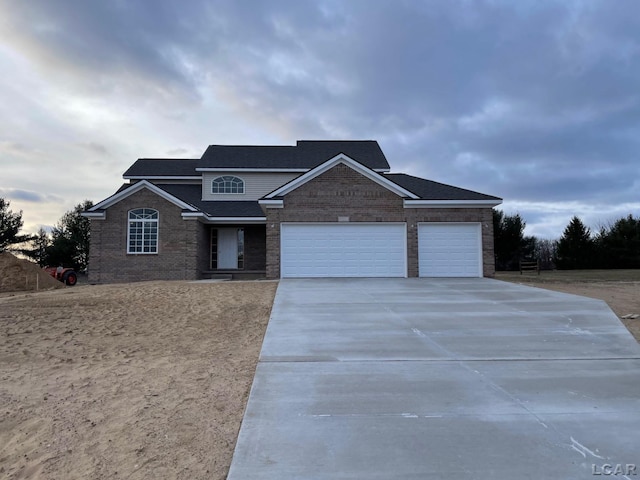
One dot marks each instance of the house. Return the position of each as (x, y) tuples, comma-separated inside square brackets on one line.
[(316, 209)]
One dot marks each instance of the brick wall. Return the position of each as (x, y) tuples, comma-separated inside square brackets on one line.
[(413, 216), (182, 244), (255, 247), (342, 192)]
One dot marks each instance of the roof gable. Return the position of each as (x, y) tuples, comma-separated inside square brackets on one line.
[(332, 162), (136, 187), (188, 198)]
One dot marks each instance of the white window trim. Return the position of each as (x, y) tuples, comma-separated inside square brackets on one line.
[(156, 220), (228, 193)]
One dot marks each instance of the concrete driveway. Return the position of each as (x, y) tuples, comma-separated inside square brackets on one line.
[(434, 379)]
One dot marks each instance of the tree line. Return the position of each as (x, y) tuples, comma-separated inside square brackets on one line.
[(67, 244), (613, 246)]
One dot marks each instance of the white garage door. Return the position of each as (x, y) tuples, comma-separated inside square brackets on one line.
[(343, 250), (449, 250)]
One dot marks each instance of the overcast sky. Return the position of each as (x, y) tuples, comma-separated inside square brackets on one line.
[(537, 102)]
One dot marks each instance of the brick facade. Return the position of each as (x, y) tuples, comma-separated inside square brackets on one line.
[(182, 244), (255, 248), (343, 192)]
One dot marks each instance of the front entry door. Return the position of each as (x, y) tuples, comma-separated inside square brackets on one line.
[(227, 248)]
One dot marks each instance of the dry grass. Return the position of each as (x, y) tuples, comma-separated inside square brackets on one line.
[(619, 288), (573, 276)]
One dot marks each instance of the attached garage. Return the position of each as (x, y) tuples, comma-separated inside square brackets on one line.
[(449, 250), (343, 250)]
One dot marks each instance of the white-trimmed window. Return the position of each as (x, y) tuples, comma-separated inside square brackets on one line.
[(227, 184), (142, 234)]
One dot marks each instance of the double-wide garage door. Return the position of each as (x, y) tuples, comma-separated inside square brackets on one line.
[(449, 250), (343, 250), (379, 250)]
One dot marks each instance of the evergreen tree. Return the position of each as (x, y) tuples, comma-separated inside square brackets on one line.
[(39, 247), (10, 226), (510, 245), (601, 256), (620, 245), (575, 247), (71, 239)]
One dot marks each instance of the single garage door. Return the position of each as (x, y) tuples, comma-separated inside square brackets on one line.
[(343, 250), (449, 250)]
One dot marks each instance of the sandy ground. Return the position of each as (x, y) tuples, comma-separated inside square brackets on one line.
[(623, 297), (137, 381), (22, 275), (149, 380)]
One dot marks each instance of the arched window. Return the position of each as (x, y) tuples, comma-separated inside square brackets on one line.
[(227, 184), (142, 234)]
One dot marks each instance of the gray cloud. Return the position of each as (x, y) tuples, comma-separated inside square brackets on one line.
[(95, 148), (13, 148), (532, 101), (27, 196), (178, 152)]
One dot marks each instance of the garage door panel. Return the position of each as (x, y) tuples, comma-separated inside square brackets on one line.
[(343, 250), (449, 250)]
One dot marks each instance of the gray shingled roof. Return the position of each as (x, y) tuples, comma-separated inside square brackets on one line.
[(162, 167), (430, 190), (306, 154), (192, 194)]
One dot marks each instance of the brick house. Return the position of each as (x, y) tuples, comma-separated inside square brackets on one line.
[(316, 209)]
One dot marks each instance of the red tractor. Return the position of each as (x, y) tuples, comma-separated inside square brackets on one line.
[(66, 275)]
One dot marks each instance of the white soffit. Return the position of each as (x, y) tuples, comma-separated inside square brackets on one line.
[(451, 203)]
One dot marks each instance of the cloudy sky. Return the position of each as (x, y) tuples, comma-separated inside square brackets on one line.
[(537, 102)]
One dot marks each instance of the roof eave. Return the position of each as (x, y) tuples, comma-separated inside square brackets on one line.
[(451, 203), (261, 170), (94, 215), (224, 220), (269, 203), (162, 177), (251, 169)]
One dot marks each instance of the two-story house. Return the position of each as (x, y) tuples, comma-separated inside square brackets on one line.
[(316, 209)]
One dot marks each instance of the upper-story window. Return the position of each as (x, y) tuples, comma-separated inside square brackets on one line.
[(227, 184), (143, 231)]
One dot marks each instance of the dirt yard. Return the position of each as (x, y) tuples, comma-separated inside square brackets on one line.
[(619, 288), (19, 275), (136, 381), (150, 380)]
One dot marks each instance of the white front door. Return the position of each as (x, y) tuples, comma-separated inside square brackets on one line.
[(227, 248)]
